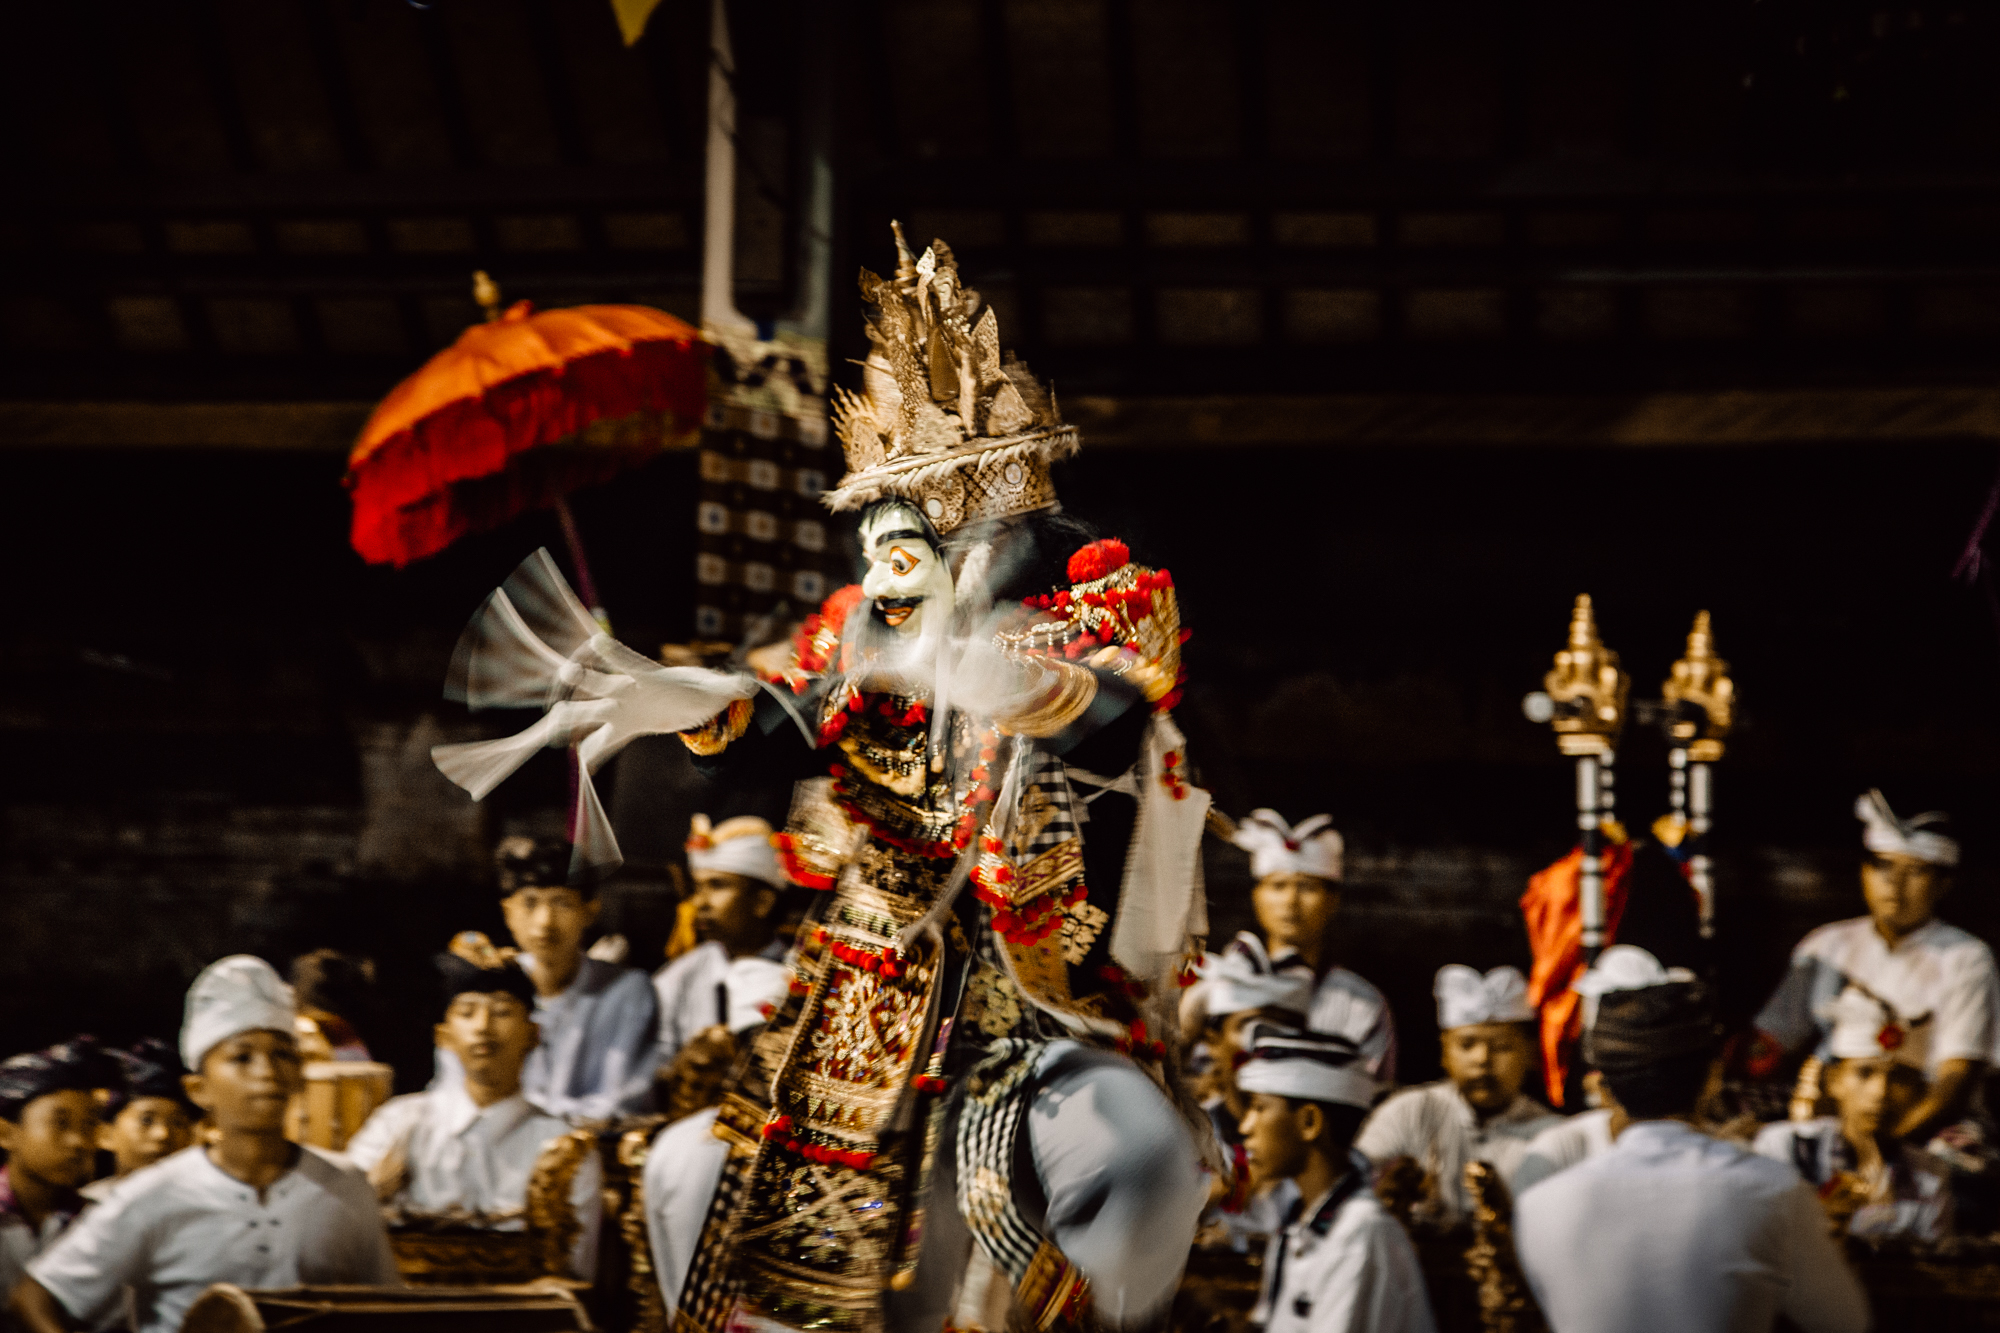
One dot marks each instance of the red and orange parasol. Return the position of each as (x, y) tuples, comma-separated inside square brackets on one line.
[(515, 415)]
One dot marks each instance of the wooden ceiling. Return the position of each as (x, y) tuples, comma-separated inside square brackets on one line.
[(283, 199)]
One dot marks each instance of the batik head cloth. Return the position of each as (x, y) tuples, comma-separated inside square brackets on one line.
[(1636, 1029), (1465, 997), (739, 846), (1918, 836), (151, 1069), (77, 1064), (1315, 1066), (233, 995), (1312, 847), (487, 973)]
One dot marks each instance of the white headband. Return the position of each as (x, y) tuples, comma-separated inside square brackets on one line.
[(233, 995), (1316, 1066), (1278, 848), (1464, 997), (1864, 1028), (1243, 977), (1622, 967), (1886, 835), (739, 846)]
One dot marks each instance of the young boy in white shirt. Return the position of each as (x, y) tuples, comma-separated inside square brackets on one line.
[(1881, 1186), (1342, 1264), (597, 1019), (148, 1119), (1476, 1112), (463, 1150), (252, 1208)]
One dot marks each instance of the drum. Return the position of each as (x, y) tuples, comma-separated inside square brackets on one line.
[(339, 1096), (542, 1308)]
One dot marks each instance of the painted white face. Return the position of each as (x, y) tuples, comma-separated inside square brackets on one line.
[(907, 577)]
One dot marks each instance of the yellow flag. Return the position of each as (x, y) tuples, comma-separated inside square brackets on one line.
[(632, 16)]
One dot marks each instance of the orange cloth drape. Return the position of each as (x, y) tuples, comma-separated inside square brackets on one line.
[(1553, 910)]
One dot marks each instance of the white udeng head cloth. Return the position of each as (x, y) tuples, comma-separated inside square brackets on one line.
[(1864, 1028), (1243, 977), (1623, 967), (1318, 1066), (739, 846), (1277, 848), (1886, 835), (232, 995), (754, 984), (1464, 997)]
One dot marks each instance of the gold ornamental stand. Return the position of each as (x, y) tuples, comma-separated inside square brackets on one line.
[(1585, 705), (1700, 707)]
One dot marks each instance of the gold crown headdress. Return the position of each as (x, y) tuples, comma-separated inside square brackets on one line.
[(943, 420)]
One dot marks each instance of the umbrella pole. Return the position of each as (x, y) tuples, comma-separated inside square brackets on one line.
[(585, 584)]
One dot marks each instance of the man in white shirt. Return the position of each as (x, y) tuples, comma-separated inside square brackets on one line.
[(1578, 1138), (596, 1057), (1476, 1112), (463, 1150), (1672, 1228), (1297, 894), (739, 888), (1904, 956), (251, 1208), (1341, 1264), (685, 1161)]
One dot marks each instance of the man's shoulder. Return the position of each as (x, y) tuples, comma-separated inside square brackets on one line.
[(1964, 948), (612, 979), (1579, 1128), (1340, 981), (1398, 1106), (676, 971), (1833, 940), (1362, 1220)]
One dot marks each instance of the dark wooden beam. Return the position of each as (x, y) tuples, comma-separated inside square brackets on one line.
[(1804, 417)]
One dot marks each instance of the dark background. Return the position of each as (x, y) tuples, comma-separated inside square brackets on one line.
[(216, 721)]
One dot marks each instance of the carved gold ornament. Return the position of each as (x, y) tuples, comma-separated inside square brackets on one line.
[(944, 420), (1701, 681), (1587, 687)]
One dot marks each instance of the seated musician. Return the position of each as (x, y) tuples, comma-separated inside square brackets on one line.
[(685, 1161), (1342, 1264), (252, 1208), (460, 1153), (739, 890), (1890, 1187), (1903, 954), (597, 1018), (48, 1128), (1476, 1112), (148, 1118), (1237, 989), (1672, 1228)]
